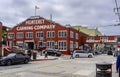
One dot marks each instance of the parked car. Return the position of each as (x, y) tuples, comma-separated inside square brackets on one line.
[(82, 53), (96, 52), (52, 52), (110, 53), (14, 58)]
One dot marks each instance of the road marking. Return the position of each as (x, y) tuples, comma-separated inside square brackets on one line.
[(11, 73), (53, 65), (84, 73), (47, 66)]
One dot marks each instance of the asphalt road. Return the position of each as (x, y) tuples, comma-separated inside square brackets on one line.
[(63, 67)]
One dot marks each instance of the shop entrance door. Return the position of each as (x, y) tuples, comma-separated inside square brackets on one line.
[(30, 45)]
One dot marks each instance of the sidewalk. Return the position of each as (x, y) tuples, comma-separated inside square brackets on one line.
[(42, 58)]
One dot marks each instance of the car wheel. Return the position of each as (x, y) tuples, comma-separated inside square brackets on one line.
[(90, 56), (26, 61), (8, 62), (77, 56)]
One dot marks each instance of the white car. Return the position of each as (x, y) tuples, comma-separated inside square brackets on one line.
[(82, 53)]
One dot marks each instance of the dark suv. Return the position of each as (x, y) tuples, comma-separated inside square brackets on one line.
[(53, 52)]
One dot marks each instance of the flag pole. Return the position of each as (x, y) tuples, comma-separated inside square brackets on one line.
[(35, 10)]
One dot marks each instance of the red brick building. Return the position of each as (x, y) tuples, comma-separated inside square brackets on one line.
[(37, 31)]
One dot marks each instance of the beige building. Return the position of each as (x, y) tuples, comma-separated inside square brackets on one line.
[(88, 31)]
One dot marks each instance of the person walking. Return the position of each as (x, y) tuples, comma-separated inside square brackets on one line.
[(29, 53), (118, 65), (46, 55), (71, 54), (40, 51)]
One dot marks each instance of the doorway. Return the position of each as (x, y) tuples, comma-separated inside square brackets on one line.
[(30, 45)]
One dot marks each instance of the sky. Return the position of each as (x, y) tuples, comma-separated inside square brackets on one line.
[(90, 13)]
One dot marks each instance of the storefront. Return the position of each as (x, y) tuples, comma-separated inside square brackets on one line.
[(102, 43), (37, 32)]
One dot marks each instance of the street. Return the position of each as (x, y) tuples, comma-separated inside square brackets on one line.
[(63, 67)]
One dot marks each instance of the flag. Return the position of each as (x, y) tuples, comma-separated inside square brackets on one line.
[(36, 7)]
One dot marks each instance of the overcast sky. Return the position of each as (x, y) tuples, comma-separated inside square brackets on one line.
[(75, 12)]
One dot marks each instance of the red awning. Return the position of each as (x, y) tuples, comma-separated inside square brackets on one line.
[(6, 46)]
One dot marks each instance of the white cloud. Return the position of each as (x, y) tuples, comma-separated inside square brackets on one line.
[(74, 12)]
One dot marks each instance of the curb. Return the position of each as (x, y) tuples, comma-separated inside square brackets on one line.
[(43, 59)]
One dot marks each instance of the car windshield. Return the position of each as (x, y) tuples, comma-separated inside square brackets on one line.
[(11, 55)]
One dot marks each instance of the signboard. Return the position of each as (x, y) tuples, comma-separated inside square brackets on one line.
[(100, 41), (36, 27)]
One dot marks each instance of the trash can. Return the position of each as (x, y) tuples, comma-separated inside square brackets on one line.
[(34, 55), (103, 69)]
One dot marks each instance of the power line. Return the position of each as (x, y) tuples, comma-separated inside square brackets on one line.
[(116, 9)]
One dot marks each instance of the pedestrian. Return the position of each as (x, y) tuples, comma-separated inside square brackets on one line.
[(46, 55), (29, 53), (40, 51), (118, 65), (71, 54), (26, 52)]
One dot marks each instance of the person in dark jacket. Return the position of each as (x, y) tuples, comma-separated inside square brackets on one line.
[(71, 54), (118, 65)]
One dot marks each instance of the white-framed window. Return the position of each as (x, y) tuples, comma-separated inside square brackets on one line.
[(19, 35), (50, 44), (50, 34), (39, 34), (76, 35), (62, 33), (19, 43), (29, 34), (76, 44), (90, 38), (71, 34), (71, 45), (11, 35), (104, 38), (62, 45)]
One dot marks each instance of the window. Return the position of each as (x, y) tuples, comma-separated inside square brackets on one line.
[(51, 44), (90, 38), (76, 35), (104, 38), (71, 45), (19, 34), (39, 34), (71, 34), (62, 33), (50, 34), (10, 35), (29, 34), (76, 44), (62, 45)]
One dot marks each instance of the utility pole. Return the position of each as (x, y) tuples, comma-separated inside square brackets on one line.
[(117, 10), (1, 39)]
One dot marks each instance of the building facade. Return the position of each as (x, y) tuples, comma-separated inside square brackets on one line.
[(37, 32), (102, 43)]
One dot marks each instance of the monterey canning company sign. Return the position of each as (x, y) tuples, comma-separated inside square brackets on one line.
[(38, 24)]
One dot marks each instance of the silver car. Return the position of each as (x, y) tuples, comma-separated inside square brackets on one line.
[(82, 53)]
